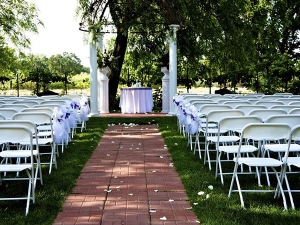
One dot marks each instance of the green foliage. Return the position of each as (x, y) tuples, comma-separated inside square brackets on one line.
[(64, 66)]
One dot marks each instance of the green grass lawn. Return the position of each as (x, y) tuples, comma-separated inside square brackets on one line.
[(261, 208)]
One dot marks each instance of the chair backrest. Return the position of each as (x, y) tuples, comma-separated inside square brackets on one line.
[(217, 115), (51, 102), (30, 125), (52, 106), (206, 108), (8, 112), (264, 114), (237, 123), (247, 108), (233, 104), (2, 117), (295, 102), (199, 104), (286, 101), (268, 103), (29, 103), (295, 133), (291, 119), (266, 131), (294, 111), (15, 134), (18, 107), (287, 108), (270, 97), (45, 109), (38, 118)]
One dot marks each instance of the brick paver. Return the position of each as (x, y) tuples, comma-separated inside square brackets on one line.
[(128, 180)]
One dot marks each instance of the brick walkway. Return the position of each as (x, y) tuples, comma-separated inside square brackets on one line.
[(129, 180)]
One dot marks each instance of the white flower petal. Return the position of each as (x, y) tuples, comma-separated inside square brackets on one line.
[(210, 187), (130, 194), (207, 196), (155, 190), (171, 200), (152, 210), (201, 193), (163, 218)]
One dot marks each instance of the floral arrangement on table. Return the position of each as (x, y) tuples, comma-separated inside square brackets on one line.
[(106, 60)]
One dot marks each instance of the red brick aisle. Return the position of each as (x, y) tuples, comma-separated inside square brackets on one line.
[(129, 180)]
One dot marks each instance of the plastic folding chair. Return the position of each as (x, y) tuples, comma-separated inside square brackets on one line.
[(229, 144), (45, 138), (211, 134), (260, 132), (17, 134), (290, 161), (21, 152)]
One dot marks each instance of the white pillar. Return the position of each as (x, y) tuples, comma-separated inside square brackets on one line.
[(103, 90), (93, 78), (103, 99), (173, 67), (165, 90)]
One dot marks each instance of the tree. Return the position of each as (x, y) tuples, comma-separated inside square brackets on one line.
[(64, 66), (17, 18), (39, 72)]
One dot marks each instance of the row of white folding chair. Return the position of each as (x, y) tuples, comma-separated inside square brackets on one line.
[(23, 135)]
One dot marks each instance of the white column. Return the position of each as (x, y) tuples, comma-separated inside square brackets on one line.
[(173, 67), (93, 78), (103, 90), (165, 90), (102, 82)]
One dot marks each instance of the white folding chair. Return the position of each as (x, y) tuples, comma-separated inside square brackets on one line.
[(229, 144), (17, 134), (211, 134), (45, 137), (289, 161), (22, 148), (260, 132)]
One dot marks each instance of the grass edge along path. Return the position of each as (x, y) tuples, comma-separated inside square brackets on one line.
[(212, 207)]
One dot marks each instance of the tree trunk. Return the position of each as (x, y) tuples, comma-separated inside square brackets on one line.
[(119, 53)]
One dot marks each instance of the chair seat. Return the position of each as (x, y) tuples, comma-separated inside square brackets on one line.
[(17, 153), (14, 167), (282, 147), (234, 148), (259, 162), (223, 139), (293, 161)]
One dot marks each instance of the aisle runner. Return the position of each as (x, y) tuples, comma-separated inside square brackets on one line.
[(130, 179)]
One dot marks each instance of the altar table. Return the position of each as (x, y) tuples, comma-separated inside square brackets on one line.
[(136, 100)]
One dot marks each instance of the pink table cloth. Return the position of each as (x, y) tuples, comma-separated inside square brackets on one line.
[(136, 100)]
